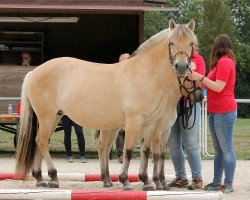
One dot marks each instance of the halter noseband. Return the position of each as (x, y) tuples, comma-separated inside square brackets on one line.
[(173, 58)]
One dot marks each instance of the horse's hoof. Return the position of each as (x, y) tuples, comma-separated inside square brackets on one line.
[(53, 184), (127, 188), (41, 184), (148, 187), (107, 184), (166, 187), (159, 187)]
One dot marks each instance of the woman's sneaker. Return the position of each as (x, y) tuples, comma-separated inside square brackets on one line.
[(212, 186), (83, 159), (196, 184), (70, 159), (178, 182), (226, 188)]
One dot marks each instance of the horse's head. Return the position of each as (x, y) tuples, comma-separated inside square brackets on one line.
[(181, 44)]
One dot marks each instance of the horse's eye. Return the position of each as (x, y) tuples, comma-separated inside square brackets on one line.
[(191, 43), (171, 43)]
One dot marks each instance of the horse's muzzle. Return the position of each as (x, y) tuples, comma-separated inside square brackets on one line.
[(181, 68)]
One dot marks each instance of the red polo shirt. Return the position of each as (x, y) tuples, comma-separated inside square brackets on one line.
[(224, 101), (200, 63)]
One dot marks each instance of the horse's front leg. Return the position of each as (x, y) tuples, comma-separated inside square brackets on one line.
[(102, 151), (156, 157), (164, 140), (145, 150), (133, 126)]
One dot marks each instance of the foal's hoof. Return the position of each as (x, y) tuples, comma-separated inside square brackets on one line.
[(127, 188), (53, 184), (148, 187), (41, 184)]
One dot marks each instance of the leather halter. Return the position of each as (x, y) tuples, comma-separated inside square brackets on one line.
[(188, 103)]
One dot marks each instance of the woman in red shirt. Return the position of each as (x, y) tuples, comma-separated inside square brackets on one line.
[(222, 109)]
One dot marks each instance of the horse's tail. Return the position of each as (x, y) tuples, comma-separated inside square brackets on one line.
[(26, 147), (97, 134)]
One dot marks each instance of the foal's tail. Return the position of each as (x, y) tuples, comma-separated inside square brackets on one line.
[(26, 147)]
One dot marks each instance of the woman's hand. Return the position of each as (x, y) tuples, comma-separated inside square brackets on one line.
[(195, 76)]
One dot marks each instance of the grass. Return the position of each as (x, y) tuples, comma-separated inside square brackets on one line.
[(241, 142)]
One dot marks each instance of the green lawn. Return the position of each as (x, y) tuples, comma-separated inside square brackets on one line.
[(241, 141)]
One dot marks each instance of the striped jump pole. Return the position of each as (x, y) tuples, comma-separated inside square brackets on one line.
[(106, 195), (81, 177)]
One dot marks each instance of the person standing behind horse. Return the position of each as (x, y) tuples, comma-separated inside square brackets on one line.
[(67, 124), (121, 135), (222, 109), (187, 137)]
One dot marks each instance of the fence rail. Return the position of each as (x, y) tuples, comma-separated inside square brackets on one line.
[(203, 130)]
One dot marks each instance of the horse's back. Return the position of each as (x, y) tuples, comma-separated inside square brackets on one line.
[(68, 84)]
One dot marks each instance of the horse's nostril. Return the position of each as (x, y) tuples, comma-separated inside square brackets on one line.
[(176, 66)]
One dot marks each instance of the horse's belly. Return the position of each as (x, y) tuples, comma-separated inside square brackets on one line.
[(97, 119)]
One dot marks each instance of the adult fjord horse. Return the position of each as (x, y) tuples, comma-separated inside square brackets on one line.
[(151, 134), (94, 96)]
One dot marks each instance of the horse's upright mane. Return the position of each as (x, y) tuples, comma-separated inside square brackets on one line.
[(180, 30), (151, 41), (183, 30)]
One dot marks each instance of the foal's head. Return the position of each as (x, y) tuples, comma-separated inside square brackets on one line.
[(181, 44)]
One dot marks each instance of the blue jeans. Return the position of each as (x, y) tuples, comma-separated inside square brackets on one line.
[(221, 128), (188, 139)]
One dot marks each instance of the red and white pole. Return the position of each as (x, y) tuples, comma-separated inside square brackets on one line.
[(80, 177), (106, 195)]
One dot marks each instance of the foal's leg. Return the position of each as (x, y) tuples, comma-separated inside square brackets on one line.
[(112, 136), (102, 151), (164, 139), (37, 172), (156, 157), (133, 126), (42, 138), (145, 149)]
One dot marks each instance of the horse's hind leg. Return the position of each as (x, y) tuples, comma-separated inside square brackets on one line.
[(145, 150), (42, 138), (37, 172)]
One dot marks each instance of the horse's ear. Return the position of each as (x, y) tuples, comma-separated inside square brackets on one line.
[(191, 25), (172, 24)]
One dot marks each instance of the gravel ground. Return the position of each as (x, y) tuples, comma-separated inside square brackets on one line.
[(241, 183)]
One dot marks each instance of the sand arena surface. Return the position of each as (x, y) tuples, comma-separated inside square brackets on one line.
[(241, 183)]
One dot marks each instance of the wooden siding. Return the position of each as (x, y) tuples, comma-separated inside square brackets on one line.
[(11, 79)]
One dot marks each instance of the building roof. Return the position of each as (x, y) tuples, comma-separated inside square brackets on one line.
[(79, 7)]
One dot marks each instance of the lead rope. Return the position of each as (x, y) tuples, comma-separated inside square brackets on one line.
[(187, 113)]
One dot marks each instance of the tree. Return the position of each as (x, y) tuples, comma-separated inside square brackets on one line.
[(214, 17)]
